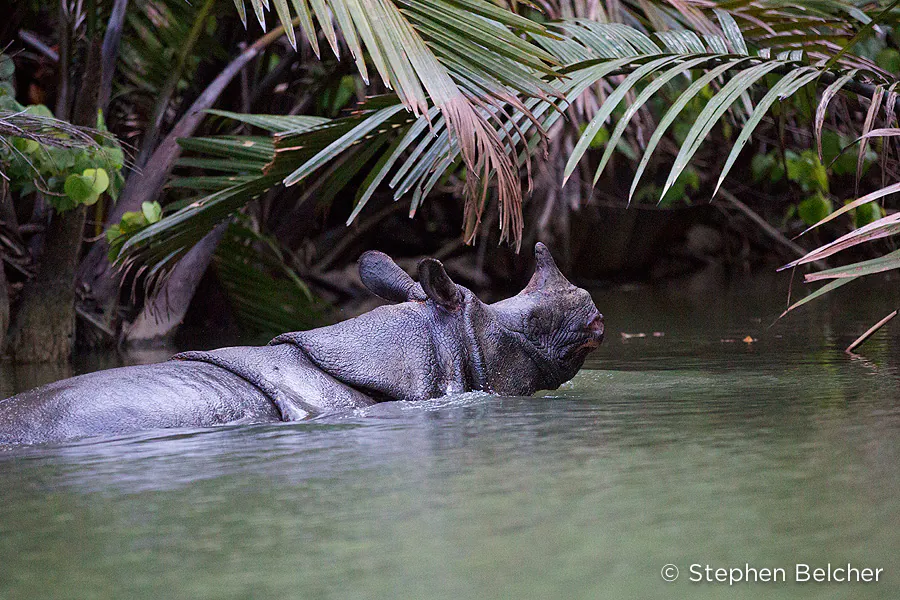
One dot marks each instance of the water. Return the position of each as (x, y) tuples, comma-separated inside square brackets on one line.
[(693, 447)]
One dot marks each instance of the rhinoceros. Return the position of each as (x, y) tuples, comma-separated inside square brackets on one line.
[(436, 338)]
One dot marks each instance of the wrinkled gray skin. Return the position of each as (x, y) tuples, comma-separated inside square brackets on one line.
[(437, 339)]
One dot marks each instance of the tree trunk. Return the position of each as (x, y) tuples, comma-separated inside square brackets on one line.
[(45, 322), (4, 307), (9, 223), (44, 329), (164, 312)]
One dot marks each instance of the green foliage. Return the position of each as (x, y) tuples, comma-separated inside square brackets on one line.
[(807, 171), (452, 55), (69, 171), (813, 177), (889, 60), (805, 168), (130, 224), (266, 294), (768, 166), (814, 208), (865, 214), (334, 99), (839, 161), (7, 72), (687, 184), (481, 88)]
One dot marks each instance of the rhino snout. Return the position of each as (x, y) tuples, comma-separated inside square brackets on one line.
[(596, 329)]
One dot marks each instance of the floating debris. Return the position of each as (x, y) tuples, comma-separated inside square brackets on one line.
[(746, 340), (628, 336)]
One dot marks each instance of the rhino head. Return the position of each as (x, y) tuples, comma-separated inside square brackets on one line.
[(439, 338)]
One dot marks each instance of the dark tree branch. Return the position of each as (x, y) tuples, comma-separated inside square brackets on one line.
[(111, 51)]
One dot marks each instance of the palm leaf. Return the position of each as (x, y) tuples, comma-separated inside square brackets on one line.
[(273, 123), (423, 51), (825, 289), (265, 293), (607, 107), (691, 91), (245, 158), (876, 195), (830, 92), (786, 87), (883, 227), (871, 114), (881, 264)]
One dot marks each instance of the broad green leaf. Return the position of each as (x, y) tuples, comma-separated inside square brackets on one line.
[(867, 213), (79, 188), (814, 209), (152, 211), (98, 178)]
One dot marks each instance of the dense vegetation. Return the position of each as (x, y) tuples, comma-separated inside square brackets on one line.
[(173, 137)]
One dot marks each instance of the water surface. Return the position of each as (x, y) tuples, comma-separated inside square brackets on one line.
[(690, 447)]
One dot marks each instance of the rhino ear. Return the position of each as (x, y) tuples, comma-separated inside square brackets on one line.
[(384, 278), (546, 273), (437, 284)]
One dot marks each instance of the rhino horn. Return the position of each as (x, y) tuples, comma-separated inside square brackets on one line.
[(546, 274)]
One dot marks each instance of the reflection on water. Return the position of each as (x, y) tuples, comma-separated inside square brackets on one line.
[(675, 449)]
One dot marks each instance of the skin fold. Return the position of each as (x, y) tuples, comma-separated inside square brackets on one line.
[(437, 338)]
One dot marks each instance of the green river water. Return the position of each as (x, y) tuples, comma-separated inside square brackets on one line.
[(689, 448)]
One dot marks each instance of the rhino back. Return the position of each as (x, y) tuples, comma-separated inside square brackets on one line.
[(117, 401), (294, 384)]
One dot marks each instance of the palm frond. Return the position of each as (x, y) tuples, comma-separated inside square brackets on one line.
[(451, 54), (266, 294), (162, 48), (245, 168), (888, 262), (684, 52), (421, 148), (825, 289), (881, 228), (47, 131)]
